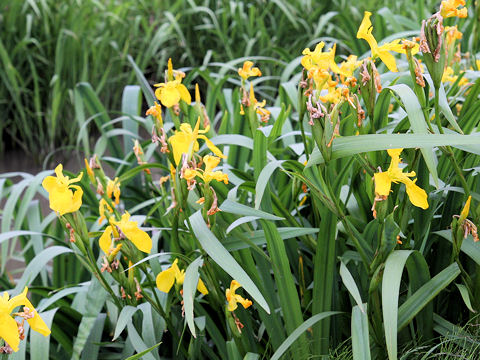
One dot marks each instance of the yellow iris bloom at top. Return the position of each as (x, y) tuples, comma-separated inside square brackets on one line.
[(449, 8), (383, 181), (207, 175), (170, 92), (320, 59), (233, 298), (132, 232), (62, 198), (246, 71), (383, 51), (185, 141), (167, 278), (8, 325)]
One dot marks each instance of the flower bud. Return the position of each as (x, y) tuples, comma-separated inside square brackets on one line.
[(433, 47)]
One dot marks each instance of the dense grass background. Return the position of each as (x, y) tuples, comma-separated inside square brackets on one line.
[(47, 47)]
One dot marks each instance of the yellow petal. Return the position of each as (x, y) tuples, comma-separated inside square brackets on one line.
[(9, 331), (394, 152), (105, 241), (383, 183), (165, 280), (212, 147), (201, 287), (169, 96), (465, 211), (138, 237), (245, 302), (76, 199), (37, 324), (49, 183), (184, 94), (388, 59), (417, 195)]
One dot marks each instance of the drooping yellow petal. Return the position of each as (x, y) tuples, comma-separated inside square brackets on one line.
[(212, 147), (417, 195), (138, 237), (201, 287), (105, 241), (165, 280), (9, 331), (383, 183), (387, 58), (184, 94)]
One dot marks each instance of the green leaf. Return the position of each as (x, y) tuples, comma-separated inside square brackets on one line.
[(96, 297), (223, 258), (351, 286), (263, 179), (38, 264), (351, 145), (139, 355), (92, 347), (465, 296), (244, 210), (146, 88), (299, 330), (124, 318), (258, 237), (189, 290), (417, 301), (390, 291), (39, 344), (360, 337), (468, 245), (142, 350)]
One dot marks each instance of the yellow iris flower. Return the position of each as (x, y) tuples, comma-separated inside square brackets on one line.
[(167, 278), (383, 181), (319, 59), (258, 106), (8, 325), (62, 198), (185, 141), (449, 8), (246, 71), (383, 51), (348, 67), (113, 190), (452, 34), (207, 175), (156, 112), (132, 232), (171, 92), (233, 298), (449, 76)]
